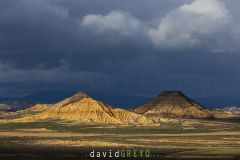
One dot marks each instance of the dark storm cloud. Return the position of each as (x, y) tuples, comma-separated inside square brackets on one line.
[(131, 47)]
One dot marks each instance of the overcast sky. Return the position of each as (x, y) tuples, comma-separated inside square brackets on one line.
[(137, 47)]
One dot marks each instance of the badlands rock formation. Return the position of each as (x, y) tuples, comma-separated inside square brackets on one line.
[(38, 108), (223, 115), (4, 107), (83, 108), (227, 112), (130, 117), (14, 105), (173, 104), (232, 109), (167, 107)]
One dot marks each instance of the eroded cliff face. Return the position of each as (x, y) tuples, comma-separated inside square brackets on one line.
[(223, 115), (173, 104), (227, 112), (38, 108), (81, 108), (84, 109), (232, 109), (130, 117)]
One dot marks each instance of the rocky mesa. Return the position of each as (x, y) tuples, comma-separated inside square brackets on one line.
[(173, 104)]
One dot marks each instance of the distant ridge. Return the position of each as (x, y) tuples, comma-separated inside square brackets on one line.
[(118, 100)]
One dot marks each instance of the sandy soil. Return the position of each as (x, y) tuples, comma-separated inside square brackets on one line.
[(41, 133), (82, 143), (49, 133)]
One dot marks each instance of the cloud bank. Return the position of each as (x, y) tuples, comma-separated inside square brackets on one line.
[(116, 47), (200, 23), (115, 21), (191, 24)]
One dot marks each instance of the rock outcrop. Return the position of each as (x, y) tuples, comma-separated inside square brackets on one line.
[(222, 115), (173, 104), (38, 108), (85, 109), (227, 112), (233, 109), (4, 107), (130, 117), (14, 105), (168, 107)]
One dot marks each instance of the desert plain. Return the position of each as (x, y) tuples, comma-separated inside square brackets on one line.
[(194, 139)]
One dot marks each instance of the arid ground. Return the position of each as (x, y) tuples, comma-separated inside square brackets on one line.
[(195, 139)]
